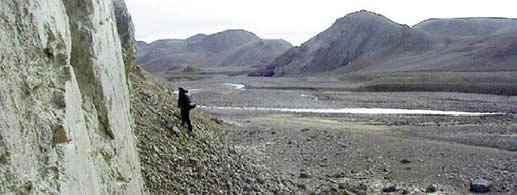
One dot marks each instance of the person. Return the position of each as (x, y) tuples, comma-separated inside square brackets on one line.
[(185, 104)]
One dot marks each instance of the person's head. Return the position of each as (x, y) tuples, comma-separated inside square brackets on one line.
[(181, 90)]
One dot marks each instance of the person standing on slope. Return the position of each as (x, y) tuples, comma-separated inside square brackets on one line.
[(185, 104)]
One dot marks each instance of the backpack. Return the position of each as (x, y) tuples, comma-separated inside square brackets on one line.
[(188, 101)]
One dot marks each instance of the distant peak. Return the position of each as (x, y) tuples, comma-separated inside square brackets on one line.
[(366, 15), (197, 37), (242, 31), (363, 12), (239, 32)]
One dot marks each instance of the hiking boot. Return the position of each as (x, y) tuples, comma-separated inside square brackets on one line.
[(191, 134)]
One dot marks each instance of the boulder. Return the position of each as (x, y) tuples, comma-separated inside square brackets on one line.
[(389, 188), (431, 188), (480, 186)]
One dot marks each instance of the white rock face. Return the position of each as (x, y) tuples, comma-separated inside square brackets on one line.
[(65, 126)]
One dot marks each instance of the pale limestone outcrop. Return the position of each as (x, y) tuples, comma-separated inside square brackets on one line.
[(65, 126)]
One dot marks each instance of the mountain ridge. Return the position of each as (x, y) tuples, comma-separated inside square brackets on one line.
[(365, 41), (468, 26), (361, 33), (234, 47)]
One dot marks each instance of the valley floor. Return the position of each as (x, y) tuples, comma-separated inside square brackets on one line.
[(321, 151)]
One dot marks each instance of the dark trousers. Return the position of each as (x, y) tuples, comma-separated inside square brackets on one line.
[(185, 118)]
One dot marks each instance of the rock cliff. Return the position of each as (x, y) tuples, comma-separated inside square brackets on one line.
[(65, 125)]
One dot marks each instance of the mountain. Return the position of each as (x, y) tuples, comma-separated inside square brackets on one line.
[(366, 42), (227, 48), (468, 26), (358, 35)]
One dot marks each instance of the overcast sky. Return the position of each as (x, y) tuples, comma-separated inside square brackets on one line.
[(293, 20)]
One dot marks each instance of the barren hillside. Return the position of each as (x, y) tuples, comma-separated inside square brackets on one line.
[(368, 45), (227, 48)]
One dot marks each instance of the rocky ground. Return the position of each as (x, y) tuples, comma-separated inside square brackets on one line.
[(333, 151), (175, 163), (364, 153)]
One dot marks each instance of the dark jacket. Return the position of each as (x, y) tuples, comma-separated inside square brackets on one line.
[(185, 99)]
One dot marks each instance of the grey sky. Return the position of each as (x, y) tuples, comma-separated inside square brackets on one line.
[(293, 20)]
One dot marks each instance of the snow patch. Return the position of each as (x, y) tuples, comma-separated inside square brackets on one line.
[(359, 111), (235, 85)]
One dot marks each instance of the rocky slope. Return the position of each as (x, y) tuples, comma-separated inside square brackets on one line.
[(468, 26), (65, 125), (175, 163), (227, 48), (364, 42)]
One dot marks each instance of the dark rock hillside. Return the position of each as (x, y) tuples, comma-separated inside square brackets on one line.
[(360, 35), (473, 55), (227, 48), (175, 163), (364, 42), (468, 26)]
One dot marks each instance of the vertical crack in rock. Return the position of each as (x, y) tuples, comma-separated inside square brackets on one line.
[(98, 60), (84, 59), (65, 126)]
